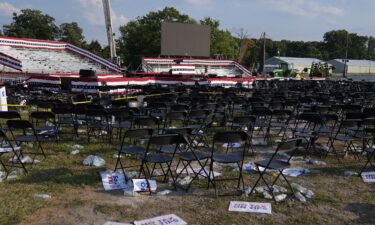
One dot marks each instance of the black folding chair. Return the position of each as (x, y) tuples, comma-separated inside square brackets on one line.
[(29, 134), (45, 124), (158, 158), (275, 163), (14, 152), (228, 154), (132, 147)]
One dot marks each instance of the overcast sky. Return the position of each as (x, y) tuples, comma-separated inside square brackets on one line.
[(281, 19)]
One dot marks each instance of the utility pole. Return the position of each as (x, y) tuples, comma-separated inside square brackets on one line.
[(346, 55), (264, 51), (108, 24)]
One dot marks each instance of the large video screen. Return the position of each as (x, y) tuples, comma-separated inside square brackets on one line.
[(178, 39)]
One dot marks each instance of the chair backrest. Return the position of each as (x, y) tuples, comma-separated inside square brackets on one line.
[(230, 137), (19, 125), (10, 115), (138, 133), (42, 115), (167, 139), (146, 122)]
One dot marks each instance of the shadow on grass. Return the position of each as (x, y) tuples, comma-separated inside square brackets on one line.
[(63, 176), (364, 211)]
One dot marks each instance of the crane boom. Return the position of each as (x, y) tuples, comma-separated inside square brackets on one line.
[(108, 24)]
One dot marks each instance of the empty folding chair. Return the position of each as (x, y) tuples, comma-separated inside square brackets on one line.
[(28, 135), (275, 163), (131, 145), (154, 157), (225, 151), (45, 124), (14, 152)]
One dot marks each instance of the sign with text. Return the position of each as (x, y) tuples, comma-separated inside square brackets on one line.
[(368, 177), (170, 219), (113, 180), (255, 207), (144, 185), (115, 223)]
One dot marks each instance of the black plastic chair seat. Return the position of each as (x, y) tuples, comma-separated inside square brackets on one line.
[(344, 138), (305, 135), (282, 125), (168, 149), (132, 150), (45, 128), (369, 150), (98, 126), (362, 136), (158, 158), (122, 125), (275, 164), (227, 158), (261, 124), (26, 138), (190, 156), (324, 130), (193, 126)]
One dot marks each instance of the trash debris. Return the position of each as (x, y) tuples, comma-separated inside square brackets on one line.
[(350, 173), (170, 219), (9, 149), (93, 160), (115, 223), (165, 192), (259, 142), (26, 160), (131, 174), (231, 145), (113, 180), (267, 195), (315, 162), (12, 175), (368, 177), (300, 197), (2, 175), (280, 198), (278, 189), (75, 152), (143, 185), (116, 156), (295, 172), (255, 207), (260, 189), (247, 192), (76, 146), (42, 196), (249, 166), (185, 181), (301, 193)]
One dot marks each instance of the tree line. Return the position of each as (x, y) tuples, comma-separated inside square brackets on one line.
[(141, 38)]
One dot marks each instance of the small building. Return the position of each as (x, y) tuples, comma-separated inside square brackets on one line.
[(353, 66), (296, 63)]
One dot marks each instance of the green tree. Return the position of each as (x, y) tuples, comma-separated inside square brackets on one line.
[(371, 48), (222, 42), (141, 37), (32, 23), (71, 33)]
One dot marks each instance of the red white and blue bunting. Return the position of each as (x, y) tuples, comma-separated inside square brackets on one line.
[(11, 62)]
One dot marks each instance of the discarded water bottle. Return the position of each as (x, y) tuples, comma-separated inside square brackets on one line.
[(43, 196), (315, 162)]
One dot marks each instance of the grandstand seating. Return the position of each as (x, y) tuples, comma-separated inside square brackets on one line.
[(51, 61)]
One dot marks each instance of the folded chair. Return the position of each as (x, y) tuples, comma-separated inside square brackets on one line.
[(275, 163)]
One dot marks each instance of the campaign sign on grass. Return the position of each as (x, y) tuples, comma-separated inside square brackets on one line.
[(368, 177), (115, 223), (144, 185), (170, 219), (255, 207), (113, 180)]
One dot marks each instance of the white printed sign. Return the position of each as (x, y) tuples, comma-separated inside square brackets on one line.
[(170, 219), (255, 207), (113, 180), (115, 223), (368, 177), (141, 185)]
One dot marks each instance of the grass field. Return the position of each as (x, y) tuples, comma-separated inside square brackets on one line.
[(77, 195)]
